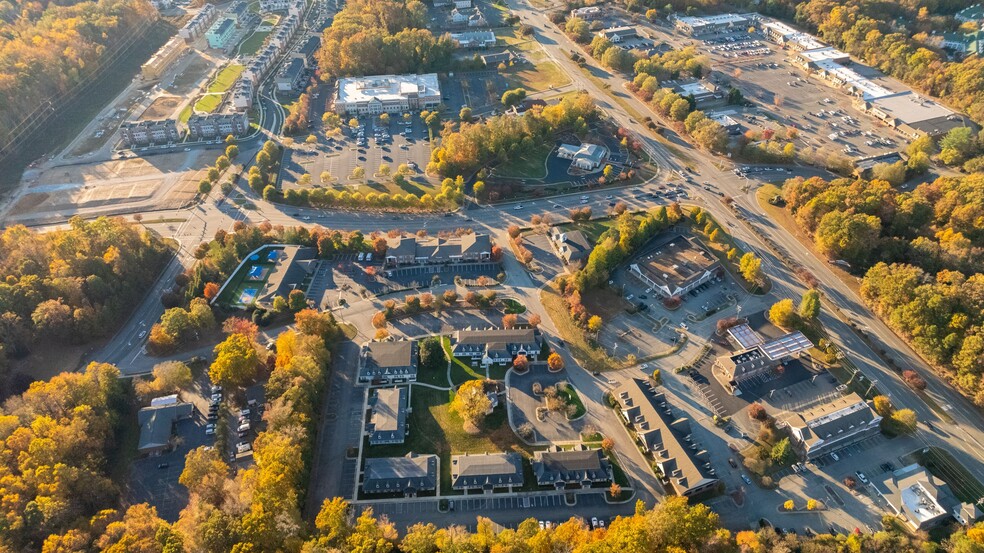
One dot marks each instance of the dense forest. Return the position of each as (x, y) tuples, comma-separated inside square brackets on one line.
[(922, 254), (378, 37), (48, 48), (71, 286)]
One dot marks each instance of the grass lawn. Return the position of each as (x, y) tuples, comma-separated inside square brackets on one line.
[(435, 429), (207, 103), (513, 307), (530, 165), (590, 357), (592, 229), (544, 75), (226, 78), (570, 397), (619, 475), (252, 43), (461, 372)]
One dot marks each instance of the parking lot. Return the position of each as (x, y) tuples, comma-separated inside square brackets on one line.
[(522, 404), (823, 115), (404, 139)]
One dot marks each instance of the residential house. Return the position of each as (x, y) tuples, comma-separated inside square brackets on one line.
[(199, 23), (388, 362), (388, 422), (408, 475), (308, 50), (497, 345), (571, 467), (486, 471)]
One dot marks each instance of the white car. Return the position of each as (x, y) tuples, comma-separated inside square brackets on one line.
[(243, 447), (862, 477), (584, 197), (835, 457), (518, 207), (594, 522)]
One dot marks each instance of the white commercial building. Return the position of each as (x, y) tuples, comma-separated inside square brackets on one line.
[(585, 156), (473, 39), (707, 24), (387, 94)]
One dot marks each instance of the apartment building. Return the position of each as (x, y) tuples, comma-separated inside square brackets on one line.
[(217, 126), (221, 33), (388, 421), (388, 362), (497, 345), (409, 250), (163, 58), (146, 133), (197, 25)]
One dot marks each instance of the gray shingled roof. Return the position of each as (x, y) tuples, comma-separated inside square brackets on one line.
[(413, 473), (487, 469)]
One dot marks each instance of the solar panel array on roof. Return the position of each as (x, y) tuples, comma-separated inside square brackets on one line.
[(790, 344), (745, 336)]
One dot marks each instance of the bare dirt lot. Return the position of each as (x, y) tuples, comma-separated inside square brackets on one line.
[(171, 177), (162, 107)]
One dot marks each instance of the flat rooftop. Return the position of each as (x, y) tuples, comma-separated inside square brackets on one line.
[(677, 261), (387, 87), (910, 107)]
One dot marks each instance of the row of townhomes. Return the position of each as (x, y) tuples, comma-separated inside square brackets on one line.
[(384, 362), (554, 468), (408, 250)]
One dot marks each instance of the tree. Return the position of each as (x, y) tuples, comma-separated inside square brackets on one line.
[(465, 114), (235, 362), (750, 268), (848, 236), (782, 452), (358, 172), (204, 187), (204, 475), (789, 505), (471, 403), (325, 177), (809, 307), (210, 291), (222, 163), (384, 118), (913, 379), (555, 362), (513, 97), (905, 420), (311, 139), (304, 180), (594, 324), (883, 405), (578, 30), (384, 170), (521, 363), (509, 321), (280, 304), (313, 323), (757, 412), (168, 377), (615, 490), (379, 320), (232, 151), (534, 320), (333, 522), (239, 325), (783, 313), (212, 174), (608, 444), (812, 505)]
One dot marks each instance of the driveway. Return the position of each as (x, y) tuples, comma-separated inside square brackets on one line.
[(333, 472)]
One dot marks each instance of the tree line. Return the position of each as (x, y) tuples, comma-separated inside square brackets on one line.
[(46, 49), (921, 253), (74, 285)]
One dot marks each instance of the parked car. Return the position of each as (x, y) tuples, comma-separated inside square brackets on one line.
[(746, 479), (862, 477)]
